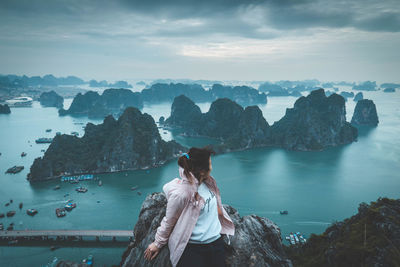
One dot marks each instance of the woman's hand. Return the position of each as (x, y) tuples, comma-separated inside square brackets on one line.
[(151, 252)]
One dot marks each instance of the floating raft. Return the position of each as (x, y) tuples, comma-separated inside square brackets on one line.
[(81, 177)]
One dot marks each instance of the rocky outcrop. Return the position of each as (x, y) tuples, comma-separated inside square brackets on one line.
[(226, 120), (243, 95), (369, 238), (5, 109), (129, 143), (314, 123), (389, 90), (51, 99), (359, 96), (112, 101), (365, 113), (257, 240)]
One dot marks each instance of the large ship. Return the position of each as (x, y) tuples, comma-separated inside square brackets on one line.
[(22, 101)]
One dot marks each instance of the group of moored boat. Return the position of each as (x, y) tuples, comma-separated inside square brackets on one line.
[(61, 212), (296, 238)]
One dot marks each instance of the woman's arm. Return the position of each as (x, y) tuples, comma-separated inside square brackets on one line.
[(175, 205)]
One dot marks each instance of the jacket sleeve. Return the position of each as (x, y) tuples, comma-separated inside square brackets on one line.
[(175, 206)]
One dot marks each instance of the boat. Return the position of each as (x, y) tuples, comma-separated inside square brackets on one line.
[(1, 227), (60, 212), (13, 242), (133, 188), (291, 236), (7, 204), (81, 189), (22, 101), (23, 154), (43, 140), (15, 169), (82, 177), (139, 193), (70, 206), (21, 205), (11, 213), (2, 215), (89, 260), (48, 130), (42, 150), (100, 183), (11, 201), (284, 212), (57, 187), (75, 181), (52, 248), (31, 212), (296, 238)]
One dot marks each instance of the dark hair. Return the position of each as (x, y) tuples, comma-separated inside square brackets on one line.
[(197, 163)]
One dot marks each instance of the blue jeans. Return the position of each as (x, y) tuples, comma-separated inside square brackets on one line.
[(204, 255)]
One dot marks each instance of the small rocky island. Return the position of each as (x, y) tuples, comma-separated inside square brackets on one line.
[(257, 240), (129, 143), (314, 123), (112, 101), (4, 109), (51, 99), (369, 238), (365, 113)]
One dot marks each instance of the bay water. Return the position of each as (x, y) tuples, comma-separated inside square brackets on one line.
[(317, 188)]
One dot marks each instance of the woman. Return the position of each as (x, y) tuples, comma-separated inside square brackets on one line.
[(194, 219)]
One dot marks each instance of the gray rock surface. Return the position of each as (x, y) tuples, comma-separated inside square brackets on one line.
[(365, 113), (257, 240)]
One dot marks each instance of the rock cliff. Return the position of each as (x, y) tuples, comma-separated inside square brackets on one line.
[(369, 238), (5, 109), (365, 113), (131, 142), (112, 101), (314, 123), (257, 240), (51, 99), (359, 96), (226, 120)]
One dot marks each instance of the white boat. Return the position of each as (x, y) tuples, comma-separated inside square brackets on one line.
[(22, 101)]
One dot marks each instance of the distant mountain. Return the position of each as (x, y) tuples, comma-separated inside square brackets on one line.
[(129, 143), (47, 80), (112, 101), (118, 84), (366, 86), (243, 95)]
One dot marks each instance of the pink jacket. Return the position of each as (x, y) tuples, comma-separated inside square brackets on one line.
[(182, 212)]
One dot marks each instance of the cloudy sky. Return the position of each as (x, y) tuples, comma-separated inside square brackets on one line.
[(202, 39)]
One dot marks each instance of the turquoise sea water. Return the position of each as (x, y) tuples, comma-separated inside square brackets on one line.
[(317, 188)]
